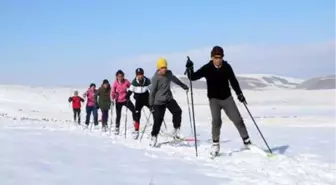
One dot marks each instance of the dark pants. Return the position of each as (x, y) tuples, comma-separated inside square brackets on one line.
[(76, 112), (93, 110), (231, 110), (159, 112), (119, 106), (138, 106), (105, 115)]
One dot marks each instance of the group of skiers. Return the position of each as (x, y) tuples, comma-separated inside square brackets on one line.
[(156, 94)]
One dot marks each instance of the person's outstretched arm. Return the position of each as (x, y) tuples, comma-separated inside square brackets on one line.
[(178, 82), (153, 90)]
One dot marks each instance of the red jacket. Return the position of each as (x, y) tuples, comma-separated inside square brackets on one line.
[(76, 102)]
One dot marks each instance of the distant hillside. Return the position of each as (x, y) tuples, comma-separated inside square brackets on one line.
[(325, 82), (254, 81)]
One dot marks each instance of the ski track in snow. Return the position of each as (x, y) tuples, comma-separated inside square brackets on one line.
[(40, 152)]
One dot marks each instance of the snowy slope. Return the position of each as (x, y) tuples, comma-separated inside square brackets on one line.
[(324, 82), (40, 145), (254, 81)]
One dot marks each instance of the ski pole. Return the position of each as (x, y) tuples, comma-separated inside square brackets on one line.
[(191, 129), (165, 125), (126, 117), (193, 109), (143, 131), (111, 122), (257, 127)]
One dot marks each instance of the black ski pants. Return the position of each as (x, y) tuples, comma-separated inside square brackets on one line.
[(159, 113), (129, 105), (105, 115), (77, 112), (139, 104)]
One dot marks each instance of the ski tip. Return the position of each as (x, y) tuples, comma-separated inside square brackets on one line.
[(189, 139), (271, 155)]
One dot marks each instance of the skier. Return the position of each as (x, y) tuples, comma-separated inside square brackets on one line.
[(218, 73), (140, 87), (91, 105), (104, 102), (161, 98), (119, 97), (76, 106)]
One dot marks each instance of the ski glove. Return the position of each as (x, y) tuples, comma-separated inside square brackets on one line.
[(189, 64), (185, 87), (241, 98), (151, 109)]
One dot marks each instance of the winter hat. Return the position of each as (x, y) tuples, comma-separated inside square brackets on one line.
[(92, 85), (120, 72), (139, 71), (161, 62), (217, 50), (105, 81)]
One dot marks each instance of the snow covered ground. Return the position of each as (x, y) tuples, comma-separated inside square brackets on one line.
[(41, 146)]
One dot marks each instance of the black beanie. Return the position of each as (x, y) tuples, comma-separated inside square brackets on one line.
[(217, 50), (105, 81), (92, 85)]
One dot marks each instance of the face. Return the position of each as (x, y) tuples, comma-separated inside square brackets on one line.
[(120, 77), (93, 88), (217, 60), (105, 85), (140, 76), (163, 70)]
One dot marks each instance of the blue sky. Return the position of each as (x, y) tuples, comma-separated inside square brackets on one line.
[(72, 42)]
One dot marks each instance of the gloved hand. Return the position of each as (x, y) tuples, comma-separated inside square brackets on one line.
[(186, 88), (189, 67), (151, 108), (112, 103), (241, 98), (189, 64)]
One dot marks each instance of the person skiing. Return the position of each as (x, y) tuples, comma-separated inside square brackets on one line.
[(161, 97), (91, 105), (119, 97), (104, 102), (76, 106), (140, 86), (218, 74)]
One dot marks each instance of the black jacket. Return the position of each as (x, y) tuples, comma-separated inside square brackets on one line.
[(217, 80)]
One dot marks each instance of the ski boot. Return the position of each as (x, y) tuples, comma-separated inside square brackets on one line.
[(176, 134), (153, 141), (104, 127), (136, 135), (116, 131), (214, 151), (247, 142)]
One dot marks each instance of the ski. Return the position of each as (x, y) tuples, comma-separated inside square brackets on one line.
[(252, 148), (169, 142)]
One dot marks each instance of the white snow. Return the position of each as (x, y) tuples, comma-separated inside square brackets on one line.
[(41, 146), (260, 76)]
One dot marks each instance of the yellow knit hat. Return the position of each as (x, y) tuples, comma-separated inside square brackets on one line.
[(161, 62)]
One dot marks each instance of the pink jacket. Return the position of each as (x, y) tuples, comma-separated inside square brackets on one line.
[(91, 97), (119, 90)]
